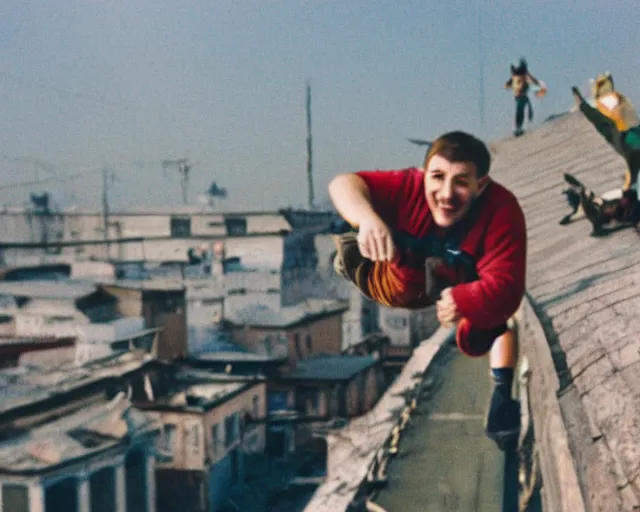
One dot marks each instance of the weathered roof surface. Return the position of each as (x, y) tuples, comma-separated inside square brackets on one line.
[(92, 430), (22, 385), (197, 390), (65, 289), (236, 357), (330, 367), (156, 284), (584, 291), (353, 449)]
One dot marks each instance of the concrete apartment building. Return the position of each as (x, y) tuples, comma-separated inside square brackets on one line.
[(209, 423)]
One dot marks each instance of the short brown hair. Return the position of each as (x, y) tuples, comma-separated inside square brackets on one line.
[(461, 147)]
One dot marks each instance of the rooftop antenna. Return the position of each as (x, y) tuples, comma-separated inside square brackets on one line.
[(183, 166), (421, 142), (309, 149), (481, 65)]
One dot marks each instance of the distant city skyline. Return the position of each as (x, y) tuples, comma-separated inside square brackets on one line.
[(91, 84)]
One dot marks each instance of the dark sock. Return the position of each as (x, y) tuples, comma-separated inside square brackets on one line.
[(503, 379)]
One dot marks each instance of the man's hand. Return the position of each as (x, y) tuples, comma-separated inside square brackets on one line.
[(446, 309), (374, 239)]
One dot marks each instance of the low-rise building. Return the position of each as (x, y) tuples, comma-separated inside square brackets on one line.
[(209, 422), (37, 351), (100, 458), (294, 332), (406, 329), (70, 440), (161, 304)]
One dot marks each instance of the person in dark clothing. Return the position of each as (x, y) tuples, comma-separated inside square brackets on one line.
[(520, 82)]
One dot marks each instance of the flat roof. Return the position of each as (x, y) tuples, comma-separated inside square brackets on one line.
[(47, 289), (329, 367), (22, 386), (67, 439), (197, 390)]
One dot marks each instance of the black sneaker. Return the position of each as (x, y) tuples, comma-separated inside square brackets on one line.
[(503, 424)]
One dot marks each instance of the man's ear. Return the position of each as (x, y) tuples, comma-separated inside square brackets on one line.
[(482, 183)]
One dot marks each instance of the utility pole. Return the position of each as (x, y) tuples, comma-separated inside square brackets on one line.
[(184, 167), (105, 208), (309, 149), (481, 63)]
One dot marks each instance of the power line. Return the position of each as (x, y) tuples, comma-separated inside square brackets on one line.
[(68, 93), (48, 180), (82, 96)]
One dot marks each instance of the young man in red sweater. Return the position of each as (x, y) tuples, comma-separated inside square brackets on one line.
[(454, 207)]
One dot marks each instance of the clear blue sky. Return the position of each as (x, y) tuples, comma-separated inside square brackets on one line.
[(88, 83)]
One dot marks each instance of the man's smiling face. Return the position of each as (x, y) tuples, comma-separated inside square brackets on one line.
[(450, 188)]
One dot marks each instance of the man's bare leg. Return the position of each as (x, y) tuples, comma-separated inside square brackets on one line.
[(504, 352)]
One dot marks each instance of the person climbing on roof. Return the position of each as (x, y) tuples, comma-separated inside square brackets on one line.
[(615, 118), (520, 82), (454, 213)]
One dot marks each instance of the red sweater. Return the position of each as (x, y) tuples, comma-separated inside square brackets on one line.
[(497, 240)]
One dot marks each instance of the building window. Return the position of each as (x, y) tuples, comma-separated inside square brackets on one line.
[(215, 439), (180, 227), (236, 226), (256, 407), (228, 431), (169, 439), (309, 345), (296, 339), (15, 498), (315, 403), (195, 437), (396, 322), (236, 425)]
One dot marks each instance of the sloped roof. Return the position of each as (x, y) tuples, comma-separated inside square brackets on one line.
[(23, 386), (584, 291), (90, 431)]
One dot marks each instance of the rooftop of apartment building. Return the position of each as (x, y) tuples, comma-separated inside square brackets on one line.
[(74, 437), (192, 390), (284, 218), (265, 310), (329, 367), (227, 356), (63, 289), (25, 386)]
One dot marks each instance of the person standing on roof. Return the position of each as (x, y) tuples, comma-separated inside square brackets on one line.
[(519, 83), (454, 208)]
